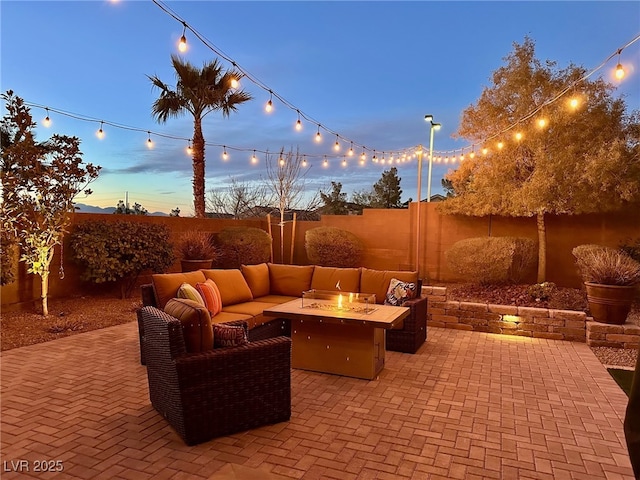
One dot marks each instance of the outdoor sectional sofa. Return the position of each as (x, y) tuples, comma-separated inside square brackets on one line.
[(246, 292)]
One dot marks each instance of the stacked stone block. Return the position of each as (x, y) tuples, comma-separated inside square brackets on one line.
[(525, 321)]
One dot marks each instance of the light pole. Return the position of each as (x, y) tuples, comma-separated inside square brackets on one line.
[(434, 126)]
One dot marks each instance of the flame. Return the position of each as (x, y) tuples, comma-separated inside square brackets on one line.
[(338, 285), (340, 300)]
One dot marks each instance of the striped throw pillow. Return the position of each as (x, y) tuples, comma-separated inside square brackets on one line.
[(190, 293)]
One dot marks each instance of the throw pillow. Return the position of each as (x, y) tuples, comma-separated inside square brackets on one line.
[(228, 336), (399, 292), (211, 296), (195, 321), (190, 293)]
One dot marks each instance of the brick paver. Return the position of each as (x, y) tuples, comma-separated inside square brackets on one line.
[(468, 405)]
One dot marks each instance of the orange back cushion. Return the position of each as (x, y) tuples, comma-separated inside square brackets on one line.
[(257, 277), (377, 281), (327, 278), (231, 284), (166, 285), (289, 280)]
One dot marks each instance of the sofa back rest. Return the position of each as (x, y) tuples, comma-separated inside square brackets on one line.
[(257, 277), (290, 280), (334, 278), (377, 281), (232, 285), (166, 285), (195, 322)]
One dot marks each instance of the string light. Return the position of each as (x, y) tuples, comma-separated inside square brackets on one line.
[(149, 142), (485, 151), (325, 163), (298, 123), (518, 136), (269, 106), (619, 68), (225, 155), (100, 132), (189, 149), (344, 162), (363, 157), (542, 122), (336, 146), (281, 162), (351, 150), (47, 121), (304, 160), (318, 136), (500, 145), (182, 44), (574, 102), (254, 159), (234, 83)]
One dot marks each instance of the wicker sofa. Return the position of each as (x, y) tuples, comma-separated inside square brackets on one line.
[(246, 292), (212, 393)]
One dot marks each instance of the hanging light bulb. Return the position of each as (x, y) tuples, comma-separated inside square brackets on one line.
[(189, 149), (304, 160), (363, 157), (182, 44), (149, 142), (234, 82), (225, 155), (518, 136), (100, 132), (472, 154), (374, 158), (500, 145), (281, 162), (344, 162), (619, 73), (254, 159), (336, 146), (318, 136), (298, 123), (325, 163), (485, 151), (542, 122), (573, 102), (461, 157), (351, 150), (47, 121), (269, 106)]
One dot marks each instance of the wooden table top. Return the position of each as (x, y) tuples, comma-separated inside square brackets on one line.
[(381, 316)]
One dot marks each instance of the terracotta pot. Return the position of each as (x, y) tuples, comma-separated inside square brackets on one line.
[(191, 265), (610, 303)]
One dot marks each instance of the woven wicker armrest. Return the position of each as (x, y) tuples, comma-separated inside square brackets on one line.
[(418, 316)]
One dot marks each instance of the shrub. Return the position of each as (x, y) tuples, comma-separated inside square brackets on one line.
[(196, 245), (239, 246), (490, 260), (8, 257), (332, 247), (120, 251), (632, 248), (541, 291), (606, 265)]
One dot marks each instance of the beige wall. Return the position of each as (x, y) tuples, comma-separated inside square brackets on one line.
[(389, 238)]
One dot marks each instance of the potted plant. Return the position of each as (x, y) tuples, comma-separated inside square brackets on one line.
[(196, 250), (610, 277)]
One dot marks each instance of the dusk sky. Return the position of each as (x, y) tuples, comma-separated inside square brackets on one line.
[(369, 71)]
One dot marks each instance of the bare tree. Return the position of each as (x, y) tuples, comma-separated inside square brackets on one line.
[(240, 199), (286, 180)]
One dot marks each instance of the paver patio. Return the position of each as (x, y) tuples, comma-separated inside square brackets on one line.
[(468, 405)]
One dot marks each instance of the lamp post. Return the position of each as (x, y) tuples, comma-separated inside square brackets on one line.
[(434, 126)]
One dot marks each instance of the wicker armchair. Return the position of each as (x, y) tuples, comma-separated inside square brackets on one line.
[(217, 392)]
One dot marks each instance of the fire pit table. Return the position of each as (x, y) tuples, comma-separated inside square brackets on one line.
[(339, 333)]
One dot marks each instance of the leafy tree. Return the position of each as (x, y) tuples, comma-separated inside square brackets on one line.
[(386, 192), (123, 209), (39, 182), (120, 251), (198, 91), (583, 160), (335, 202)]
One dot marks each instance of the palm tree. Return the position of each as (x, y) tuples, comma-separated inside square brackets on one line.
[(199, 92)]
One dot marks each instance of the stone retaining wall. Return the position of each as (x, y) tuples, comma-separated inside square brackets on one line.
[(526, 321)]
